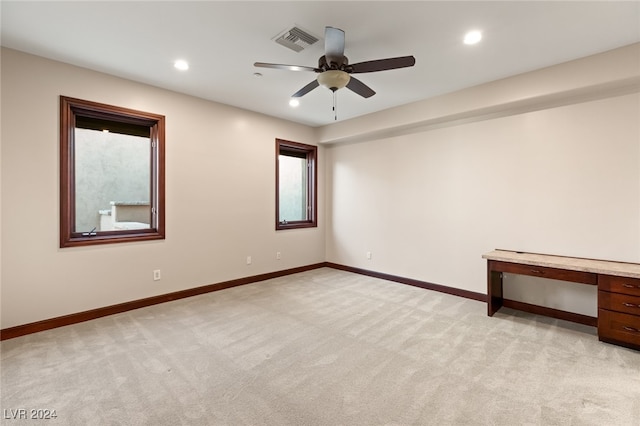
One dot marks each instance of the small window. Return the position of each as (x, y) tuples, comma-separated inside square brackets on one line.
[(296, 185), (111, 174)]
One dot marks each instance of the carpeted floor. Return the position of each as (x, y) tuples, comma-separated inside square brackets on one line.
[(323, 347)]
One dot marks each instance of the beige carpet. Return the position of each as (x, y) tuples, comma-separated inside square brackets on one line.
[(324, 347)]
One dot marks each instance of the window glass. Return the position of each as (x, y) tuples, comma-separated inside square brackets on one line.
[(112, 172), (293, 188)]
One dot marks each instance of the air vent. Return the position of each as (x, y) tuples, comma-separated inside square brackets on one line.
[(295, 39)]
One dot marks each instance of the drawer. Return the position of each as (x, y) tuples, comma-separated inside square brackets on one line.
[(616, 327), (545, 272), (619, 284), (619, 302)]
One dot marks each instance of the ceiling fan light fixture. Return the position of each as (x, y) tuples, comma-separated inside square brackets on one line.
[(334, 79)]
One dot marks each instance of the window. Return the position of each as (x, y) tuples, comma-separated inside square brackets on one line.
[(111, 174), (296, 185)]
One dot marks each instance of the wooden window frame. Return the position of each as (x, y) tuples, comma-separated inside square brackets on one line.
[(310, 152), (69, 109)]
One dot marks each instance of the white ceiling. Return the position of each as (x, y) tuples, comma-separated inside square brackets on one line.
[(222, 40)]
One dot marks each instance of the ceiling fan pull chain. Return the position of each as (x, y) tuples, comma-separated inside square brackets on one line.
[(335, 106)]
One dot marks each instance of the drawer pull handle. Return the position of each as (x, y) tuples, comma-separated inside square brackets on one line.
[(630, 286), (631, 305), (631, 329), (536, 271)]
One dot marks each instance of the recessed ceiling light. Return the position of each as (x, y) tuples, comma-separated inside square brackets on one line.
[(472, 37), (294, 102), (182, 65)]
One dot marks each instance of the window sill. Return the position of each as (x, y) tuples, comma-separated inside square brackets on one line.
[(122, 237), (295, 225)]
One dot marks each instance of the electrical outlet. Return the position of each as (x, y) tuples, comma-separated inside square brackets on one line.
[(156, 274), (368, 255), (278, 255), (248, 260)]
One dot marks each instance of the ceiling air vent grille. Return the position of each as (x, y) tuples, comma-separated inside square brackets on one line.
[(296, 39)]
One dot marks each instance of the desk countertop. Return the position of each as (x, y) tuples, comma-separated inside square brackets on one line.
[(622, 269)]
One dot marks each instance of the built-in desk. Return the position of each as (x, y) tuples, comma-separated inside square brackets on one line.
[(618, 319)]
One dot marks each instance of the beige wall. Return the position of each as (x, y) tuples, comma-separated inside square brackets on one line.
[(220, 177), (545, 162), (548, 161)]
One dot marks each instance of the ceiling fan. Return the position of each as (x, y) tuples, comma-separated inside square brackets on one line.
[(334, 70)]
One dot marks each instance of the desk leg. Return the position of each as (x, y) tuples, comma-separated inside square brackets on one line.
[(494, 289)]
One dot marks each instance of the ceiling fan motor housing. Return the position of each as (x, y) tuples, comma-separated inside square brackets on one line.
[(324, 65)]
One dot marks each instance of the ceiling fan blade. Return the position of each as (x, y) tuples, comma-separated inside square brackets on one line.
[(285, 67), (360, 88), (383, 64), (306, 89), (334, 45)]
